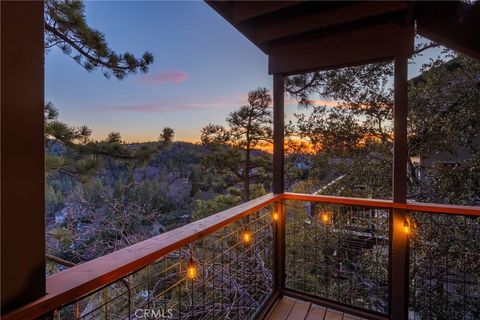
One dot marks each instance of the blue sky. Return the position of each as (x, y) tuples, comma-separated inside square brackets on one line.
[(203, 70)]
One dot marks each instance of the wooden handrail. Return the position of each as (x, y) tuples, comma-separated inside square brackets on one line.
[(69, 285), (388, 204), (341, 200)]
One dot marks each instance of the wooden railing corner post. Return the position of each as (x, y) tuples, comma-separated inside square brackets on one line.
[(399, 260), (399, 264)]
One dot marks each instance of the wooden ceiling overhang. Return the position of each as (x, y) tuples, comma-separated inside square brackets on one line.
[(305, 36)]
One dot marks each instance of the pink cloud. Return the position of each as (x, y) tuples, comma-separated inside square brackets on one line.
[(171, 76)]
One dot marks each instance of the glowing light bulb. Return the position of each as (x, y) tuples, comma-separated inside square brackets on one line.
[(325, 216), (275, 216), (246, 236), (191, 269)]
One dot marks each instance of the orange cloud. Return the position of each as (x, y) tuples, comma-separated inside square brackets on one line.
[(323, 102)]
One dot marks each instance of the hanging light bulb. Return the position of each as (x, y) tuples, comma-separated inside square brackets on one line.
[(191, 269), (276, 211), (406, 224), (246, 235), (325, 217), (275, 215)]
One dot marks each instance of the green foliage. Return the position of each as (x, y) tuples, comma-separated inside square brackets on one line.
[(53, 198), (55, 129), (457, 183), (66, 27), (232, 148), (114, 137), (444, 103), (354, 158), (167, 135), (205, 208)]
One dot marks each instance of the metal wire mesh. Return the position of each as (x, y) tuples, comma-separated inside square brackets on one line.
[(444, 267), (233, 280), (339, 253)]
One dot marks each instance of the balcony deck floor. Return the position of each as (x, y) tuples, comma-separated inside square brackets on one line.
[(287, 308)]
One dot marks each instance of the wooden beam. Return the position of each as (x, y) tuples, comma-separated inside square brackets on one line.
[(66, 286), (244, 10), (225, 9), (399, 260), (360, 46), (453, 24), (326, 18), (22, 154)]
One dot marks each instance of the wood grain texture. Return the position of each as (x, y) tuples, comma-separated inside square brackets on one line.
[(282, 309), (299, 310), (387, 204), (316, 313), (333, 315)]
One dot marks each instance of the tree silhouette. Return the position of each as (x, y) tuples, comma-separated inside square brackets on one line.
[(67, 28)]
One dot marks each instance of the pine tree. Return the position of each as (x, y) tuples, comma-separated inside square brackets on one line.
[(249, 128), (66, 27)]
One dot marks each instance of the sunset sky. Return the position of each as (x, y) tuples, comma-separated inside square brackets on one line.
[(203, 70)]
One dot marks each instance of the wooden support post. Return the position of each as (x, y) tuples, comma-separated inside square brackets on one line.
[(278, 133), (278, 173), (399, 239), (22, 154)]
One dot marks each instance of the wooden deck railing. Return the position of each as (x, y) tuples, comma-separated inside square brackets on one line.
[(70, 285)]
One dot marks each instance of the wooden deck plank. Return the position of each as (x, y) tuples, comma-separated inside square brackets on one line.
[(333, 315), (351, 317), (316, 312), (288, 308), (299, 310), (282, 309)]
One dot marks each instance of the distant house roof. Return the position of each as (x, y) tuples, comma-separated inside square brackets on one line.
[(303, 36)]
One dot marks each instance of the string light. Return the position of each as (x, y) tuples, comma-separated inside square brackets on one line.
[(325, 217), (191, 269), (246, 235), (275, 212), (275, 216)]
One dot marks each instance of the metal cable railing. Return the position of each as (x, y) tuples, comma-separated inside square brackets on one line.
[(444, 266), (339, 253), (220, 276)]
